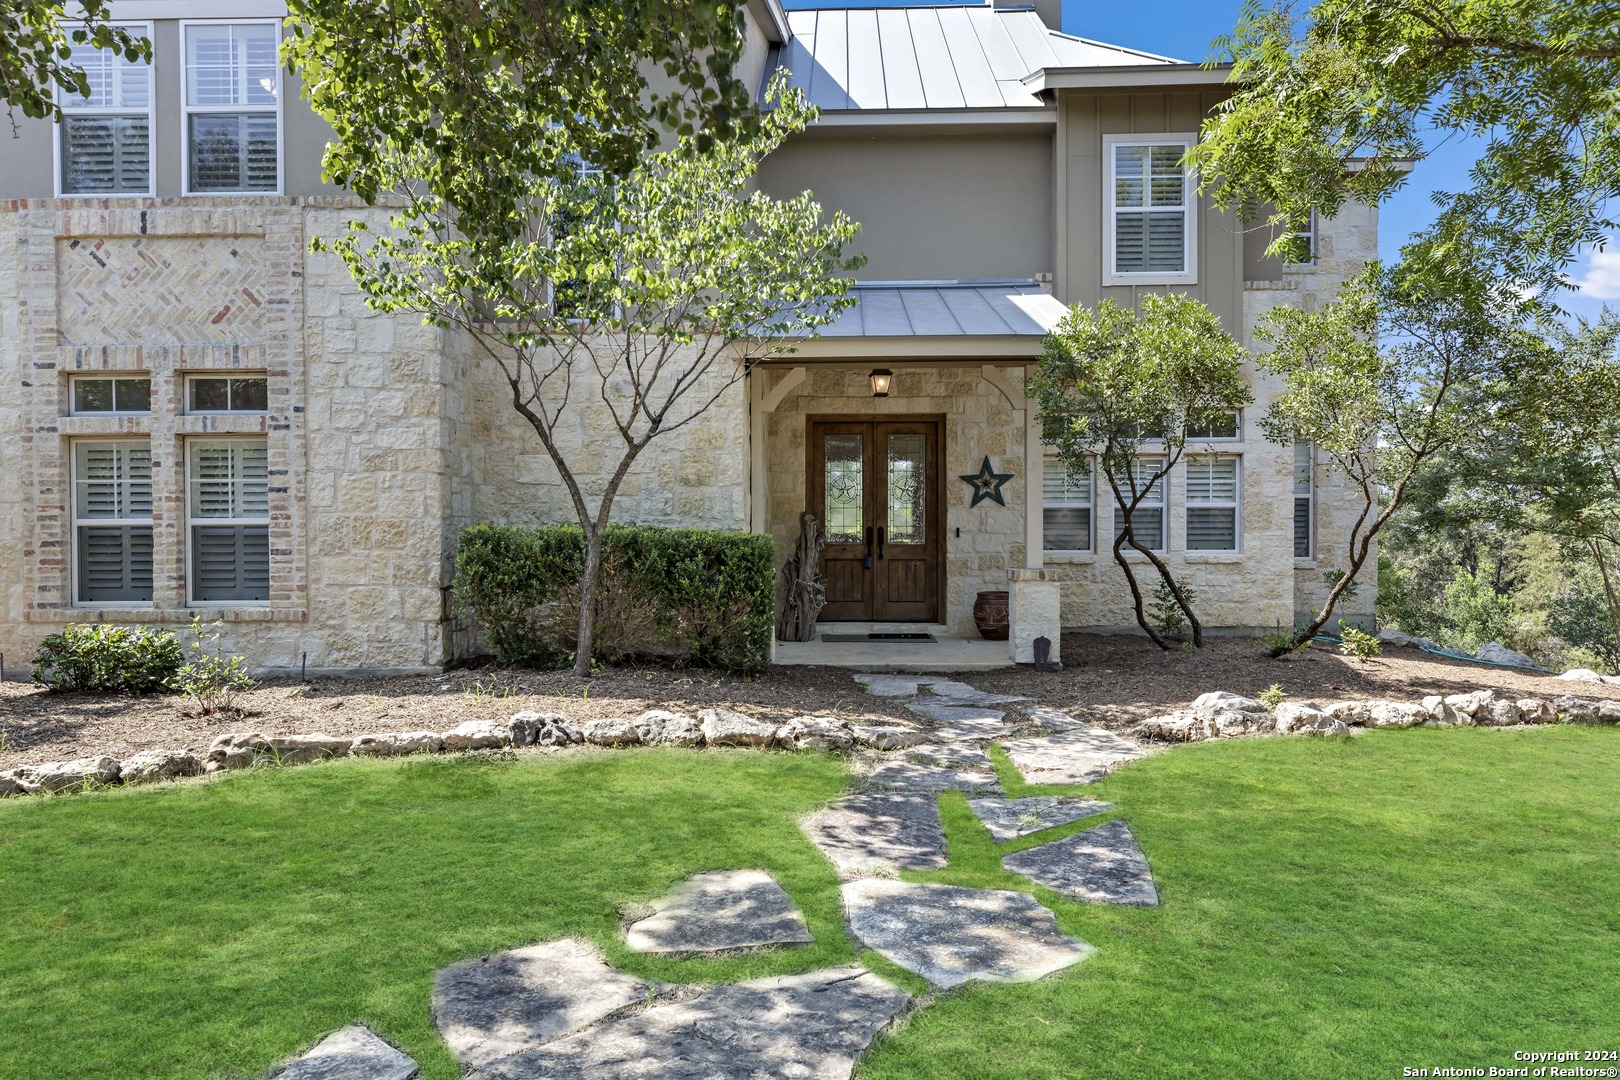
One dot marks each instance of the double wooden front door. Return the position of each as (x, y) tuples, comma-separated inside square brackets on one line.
[(875, 487)]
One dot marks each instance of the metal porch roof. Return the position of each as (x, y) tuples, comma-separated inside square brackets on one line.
[(948, 309), (958, 57)]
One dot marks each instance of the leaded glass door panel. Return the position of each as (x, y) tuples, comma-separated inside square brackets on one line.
[(874, 485)]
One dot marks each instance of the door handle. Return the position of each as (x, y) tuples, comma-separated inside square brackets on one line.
[(867, 562), (880, 542)]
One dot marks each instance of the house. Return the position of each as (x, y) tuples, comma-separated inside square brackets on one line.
[(200, 415)]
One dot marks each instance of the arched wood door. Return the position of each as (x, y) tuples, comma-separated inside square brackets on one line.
[(874, 485)]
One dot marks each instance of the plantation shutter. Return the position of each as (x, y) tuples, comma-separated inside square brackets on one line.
[(1066, 508), (1150, 209), (112, 503), (106, 134), (230, 508), (1148, 520), (232, 82), (1304, 495), (1212, 497)]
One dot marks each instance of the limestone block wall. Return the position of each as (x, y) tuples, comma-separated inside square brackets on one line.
[(1345, 244), (978, 421), (358, 484)]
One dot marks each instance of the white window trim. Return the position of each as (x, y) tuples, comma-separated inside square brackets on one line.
[(1310, 231), (76, 521), (1236, 505), (193, 376), (1236, 438), (151, 133), (193, 521), (1308, 559), (1091, 505), (186, 112), (1187, 140), (73, 409), (1163, 505)]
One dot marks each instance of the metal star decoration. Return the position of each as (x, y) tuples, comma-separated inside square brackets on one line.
[(986, 483)]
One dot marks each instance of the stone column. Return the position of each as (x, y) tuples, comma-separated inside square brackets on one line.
[(1036, 611)]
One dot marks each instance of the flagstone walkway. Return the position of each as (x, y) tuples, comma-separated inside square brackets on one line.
[(558, 1010)]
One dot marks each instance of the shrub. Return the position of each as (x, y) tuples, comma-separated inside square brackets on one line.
[(1167, 614), (109, 659), (1273, 696), (1358, 643), (706, 597), (211, 681)]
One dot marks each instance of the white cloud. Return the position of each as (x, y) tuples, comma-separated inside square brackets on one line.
[(1602, 278)]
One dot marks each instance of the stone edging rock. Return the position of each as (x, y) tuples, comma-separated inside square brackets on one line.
[(656, 727), (1218, 714)]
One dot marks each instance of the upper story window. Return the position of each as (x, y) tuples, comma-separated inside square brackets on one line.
[(1304, 234), (99, 395), (232, 110), (1149, 223), (219, 394), (1229, 428), (104, 142)]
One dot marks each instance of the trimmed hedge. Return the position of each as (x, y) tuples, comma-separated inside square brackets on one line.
[(108, 659), (692, 594)]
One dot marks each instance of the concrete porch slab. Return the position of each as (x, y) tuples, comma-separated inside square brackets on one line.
[(941, 654)]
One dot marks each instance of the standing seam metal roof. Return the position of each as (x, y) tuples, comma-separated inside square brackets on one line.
[(958, 57), (948, 309)]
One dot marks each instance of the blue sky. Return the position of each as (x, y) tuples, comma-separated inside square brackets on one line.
[(1185, 28)]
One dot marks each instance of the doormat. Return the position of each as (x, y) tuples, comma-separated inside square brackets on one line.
[(878, 637)]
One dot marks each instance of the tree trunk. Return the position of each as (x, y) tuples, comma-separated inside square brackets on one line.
[(805, 592), (1612, 601), (587, 601)]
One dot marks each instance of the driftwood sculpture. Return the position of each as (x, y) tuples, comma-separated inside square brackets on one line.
[(805, 592)]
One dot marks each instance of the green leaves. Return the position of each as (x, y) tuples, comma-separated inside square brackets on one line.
[(35, 52), (1330, 101)]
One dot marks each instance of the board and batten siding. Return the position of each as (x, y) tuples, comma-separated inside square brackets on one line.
[(1084, 119)]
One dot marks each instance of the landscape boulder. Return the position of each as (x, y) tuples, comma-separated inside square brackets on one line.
[(1498, 712), (1395, 714), (664, 728), (1582, 674), (150, 766), (10, 785), (526, 726), (558, 732), (1348, 712), (477, 735), (1574, 710), (84, 772), (610, 731), (1208, 706), (397, 743), (1497, 653), (1171, 727), (300, 749), (1536, 711), (887, 738), (816, 733), (1443, 715), (1303, 719), (1473, 703), (236, 750), (1609, 711), (1400, 640), (723, 727)]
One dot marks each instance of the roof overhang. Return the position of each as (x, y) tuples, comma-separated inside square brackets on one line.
[(771, 18), (941, 121), (912, 351), (1127, 77)]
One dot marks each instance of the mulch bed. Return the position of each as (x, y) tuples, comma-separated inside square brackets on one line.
[(1109, 680)]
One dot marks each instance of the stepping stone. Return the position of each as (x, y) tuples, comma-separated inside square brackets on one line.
[(728, 909), (910, 776), (860, 833), (1008, 819), (892, 685), (1103, 865), (970, 695), (944, 712), (813, 1026), (958, 755), (1082, 756), (949, 935), (352, 1053), (499, 1005), (1048, 718)]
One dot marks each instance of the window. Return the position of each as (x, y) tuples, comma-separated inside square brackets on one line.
[(1229, 428), (1066, 507), (1148, 520), (228, 505), (112, 521), (570, 296), (1148, 228), (1212, 503), (104, 142), (1304, 502), (1305, 233), (232, 107), (211, 394), (111, 395)]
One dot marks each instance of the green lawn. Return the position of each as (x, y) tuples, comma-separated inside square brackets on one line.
[(1332, 908)]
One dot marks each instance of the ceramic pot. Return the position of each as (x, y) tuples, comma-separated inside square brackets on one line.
[(990, 615)]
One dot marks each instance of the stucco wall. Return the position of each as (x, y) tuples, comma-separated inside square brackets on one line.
[(978, 421)]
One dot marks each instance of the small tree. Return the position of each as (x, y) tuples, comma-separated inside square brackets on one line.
[(1405, 366), (1113, 383), (656, 291)]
